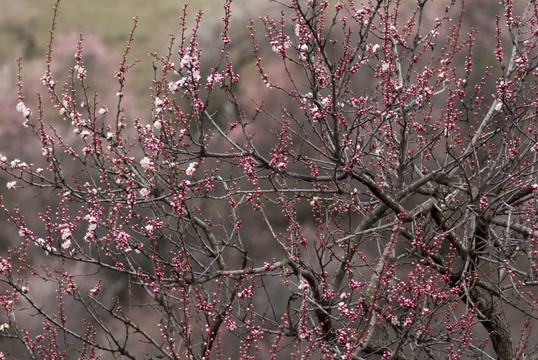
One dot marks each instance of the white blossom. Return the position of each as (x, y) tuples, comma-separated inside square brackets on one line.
[(80, 69), (85, 133), (21, 107), (93, 222), (385, 66), (46, 151), (146, 163), (297, 30), (191, 168), (186, 60), (174, 86), (303, 285), (11, 185), (66, 234), (94, 291)]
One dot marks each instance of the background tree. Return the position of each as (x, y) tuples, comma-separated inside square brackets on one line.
[(386, 208)]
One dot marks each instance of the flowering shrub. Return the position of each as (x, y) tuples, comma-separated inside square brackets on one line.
[(386, 208)]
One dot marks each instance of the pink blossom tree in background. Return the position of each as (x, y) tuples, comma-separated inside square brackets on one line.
[(370, 192)]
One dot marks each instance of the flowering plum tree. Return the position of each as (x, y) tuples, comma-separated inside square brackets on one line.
[(373, 194)]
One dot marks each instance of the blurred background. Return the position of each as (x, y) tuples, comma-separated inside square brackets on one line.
[(25, 30)]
